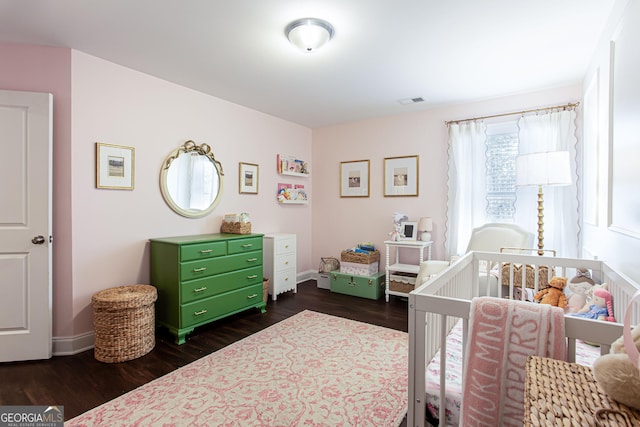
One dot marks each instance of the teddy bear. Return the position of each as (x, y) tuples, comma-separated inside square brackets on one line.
[(581, 286), (617, 375), (554, 294)]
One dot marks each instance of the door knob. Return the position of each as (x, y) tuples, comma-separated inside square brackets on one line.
[(38, 240)]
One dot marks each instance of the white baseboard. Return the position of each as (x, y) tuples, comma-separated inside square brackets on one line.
[(306, 275), (66, 346)]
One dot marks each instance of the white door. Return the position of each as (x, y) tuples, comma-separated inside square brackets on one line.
[(25, 225)]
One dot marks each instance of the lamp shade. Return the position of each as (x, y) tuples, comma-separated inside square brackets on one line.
[(425, 224), (543, 169), (309, 34)]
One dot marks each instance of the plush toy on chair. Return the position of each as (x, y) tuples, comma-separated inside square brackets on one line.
[(554, 294)]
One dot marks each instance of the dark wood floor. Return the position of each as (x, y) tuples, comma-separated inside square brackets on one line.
[(80, 383)]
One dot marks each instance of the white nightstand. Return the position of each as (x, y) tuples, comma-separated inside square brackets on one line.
[(403, 268), (280, 263)]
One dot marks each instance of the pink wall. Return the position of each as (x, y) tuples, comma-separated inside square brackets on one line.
[(48, 69), (354, 220), (117, 105), (100, 236)]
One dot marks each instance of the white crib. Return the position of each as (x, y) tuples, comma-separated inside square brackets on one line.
[(436, 306)]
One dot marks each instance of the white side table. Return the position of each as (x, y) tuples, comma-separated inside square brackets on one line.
[(403, 268)]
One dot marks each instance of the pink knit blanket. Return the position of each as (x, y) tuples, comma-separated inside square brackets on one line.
[(502, 334)]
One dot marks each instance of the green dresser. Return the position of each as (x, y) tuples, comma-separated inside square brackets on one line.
[(204, 278), (371, 287)]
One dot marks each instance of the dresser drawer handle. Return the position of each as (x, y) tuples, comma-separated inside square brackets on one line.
[(252, 296), (370, 282), (198, 270), (352, 284), (286, 246), (204, 288), (198, 313), (253, 276), (206, 251), (247, 245), (286, 279), (252, 259), (286, 263)]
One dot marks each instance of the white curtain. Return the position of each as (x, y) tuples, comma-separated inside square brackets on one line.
[(555, 131), (467, 188)]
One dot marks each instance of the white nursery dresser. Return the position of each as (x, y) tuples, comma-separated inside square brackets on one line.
[(279, 262)]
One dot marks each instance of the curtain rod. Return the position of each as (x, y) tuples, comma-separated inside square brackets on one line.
[(567, 106)]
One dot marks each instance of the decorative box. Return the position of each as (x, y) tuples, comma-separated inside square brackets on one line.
[(371, 287), (402, 282), (360, 258), (324, 281), (359, 269), (236, 227)]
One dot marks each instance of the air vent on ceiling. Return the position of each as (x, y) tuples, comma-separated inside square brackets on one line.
[(407, 101)]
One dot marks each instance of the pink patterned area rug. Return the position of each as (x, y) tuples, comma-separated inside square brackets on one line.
[(311, 369)]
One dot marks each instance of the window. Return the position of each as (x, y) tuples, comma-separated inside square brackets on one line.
[(502, 150)]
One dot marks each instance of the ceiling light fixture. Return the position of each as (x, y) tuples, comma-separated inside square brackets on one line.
[(309, 34)]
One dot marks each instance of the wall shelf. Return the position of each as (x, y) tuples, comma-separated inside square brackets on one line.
[(294, 202), (292, 166), (303, 175)]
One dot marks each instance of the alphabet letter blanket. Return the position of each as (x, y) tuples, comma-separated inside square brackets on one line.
[(502, 334)]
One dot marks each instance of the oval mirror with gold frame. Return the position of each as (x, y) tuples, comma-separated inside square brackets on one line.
[(191, 180)]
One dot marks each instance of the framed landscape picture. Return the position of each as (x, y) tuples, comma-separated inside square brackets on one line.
[(248, 178), (115, 166), (401, 176), (354, 178)]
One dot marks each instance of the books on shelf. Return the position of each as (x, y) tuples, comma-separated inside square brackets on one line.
[(289, 193), (291, 165)]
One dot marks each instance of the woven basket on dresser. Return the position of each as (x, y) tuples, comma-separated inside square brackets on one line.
[(559, 393), (236, 227), (124, 322)]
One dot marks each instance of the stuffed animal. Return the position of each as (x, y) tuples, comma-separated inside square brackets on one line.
[(617, 375), (581, 286), (397, 219), (554, 294), (601, 307), (518, 294)]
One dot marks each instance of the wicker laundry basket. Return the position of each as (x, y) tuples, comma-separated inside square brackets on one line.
[(124, 322), (558, 393)]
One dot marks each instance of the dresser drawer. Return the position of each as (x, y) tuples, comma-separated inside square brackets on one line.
[(218, 284), (284, 246), (371, 287), (210, 308), (245, 245), (285, 278), (204, 268), (285, 261), (202, 250)]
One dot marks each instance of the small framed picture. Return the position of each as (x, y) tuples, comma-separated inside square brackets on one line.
[(401, 176), (354, 178), (248, 178), (409, 230), (115, 166)]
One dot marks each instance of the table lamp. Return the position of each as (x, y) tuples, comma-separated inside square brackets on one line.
[(543, 169), (425, 225)]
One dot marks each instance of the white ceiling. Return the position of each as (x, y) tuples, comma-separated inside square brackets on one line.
[(446, 51)]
